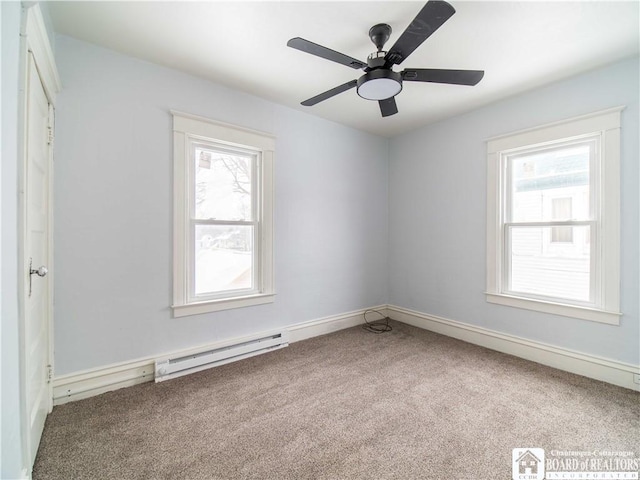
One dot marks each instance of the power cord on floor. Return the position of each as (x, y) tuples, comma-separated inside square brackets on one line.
[(379, 326)]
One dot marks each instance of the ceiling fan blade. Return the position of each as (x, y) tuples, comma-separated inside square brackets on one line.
[(428, 20), (456, 77), (388, 107), (330, 93), (324, 52)]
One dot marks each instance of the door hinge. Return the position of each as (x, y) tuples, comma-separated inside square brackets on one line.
[(50, 136), (49, 373)]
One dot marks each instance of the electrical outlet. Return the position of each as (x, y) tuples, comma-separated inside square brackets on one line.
[(636, 378)]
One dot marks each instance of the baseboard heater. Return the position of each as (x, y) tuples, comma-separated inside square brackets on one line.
[(173, 367)]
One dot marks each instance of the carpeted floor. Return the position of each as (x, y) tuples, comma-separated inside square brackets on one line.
[(408, 404)]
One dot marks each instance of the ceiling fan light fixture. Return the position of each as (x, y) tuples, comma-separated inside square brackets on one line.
[(379, 84)]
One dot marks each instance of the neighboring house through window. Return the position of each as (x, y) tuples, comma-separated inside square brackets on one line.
[(561, 209), (223, 210), (553, 203)]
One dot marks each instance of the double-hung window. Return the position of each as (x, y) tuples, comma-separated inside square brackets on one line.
[(553, 218), (223, 210)]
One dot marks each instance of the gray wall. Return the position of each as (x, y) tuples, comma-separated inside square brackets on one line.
[(437, 214), (11, 458), (113, 211)]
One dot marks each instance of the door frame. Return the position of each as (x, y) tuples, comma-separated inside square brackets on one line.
[(35, 41)]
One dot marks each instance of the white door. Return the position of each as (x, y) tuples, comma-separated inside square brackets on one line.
[(36, 243)]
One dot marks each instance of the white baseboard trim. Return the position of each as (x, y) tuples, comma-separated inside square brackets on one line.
[(88, 383), (322, 326), (610, 371)]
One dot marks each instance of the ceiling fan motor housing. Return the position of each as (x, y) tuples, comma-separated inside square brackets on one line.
[(376, 59)]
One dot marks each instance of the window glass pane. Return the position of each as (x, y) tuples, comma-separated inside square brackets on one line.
[(540, 266), (222, 185), (223, 258), (562, 234), (561, 210), (538, 179)]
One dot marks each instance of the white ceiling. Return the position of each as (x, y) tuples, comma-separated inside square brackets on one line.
[(520, 45)]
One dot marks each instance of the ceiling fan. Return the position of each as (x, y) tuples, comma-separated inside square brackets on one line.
[(380, 82)]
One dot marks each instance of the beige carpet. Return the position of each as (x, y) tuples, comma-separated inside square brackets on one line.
[(349, 405)]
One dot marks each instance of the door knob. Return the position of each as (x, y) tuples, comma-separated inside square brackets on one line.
[(41, 272)]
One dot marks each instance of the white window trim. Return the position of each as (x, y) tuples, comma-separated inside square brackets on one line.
[(607, 124), (184, 126)]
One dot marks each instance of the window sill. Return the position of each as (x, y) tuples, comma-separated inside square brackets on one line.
[(222, 304), (573, 311)]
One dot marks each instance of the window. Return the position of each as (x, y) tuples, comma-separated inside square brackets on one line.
[(223, 203), (553, 205)]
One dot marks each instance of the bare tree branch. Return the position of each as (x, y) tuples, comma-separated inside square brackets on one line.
[(239, 170)]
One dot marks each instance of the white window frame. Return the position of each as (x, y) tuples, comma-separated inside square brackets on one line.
[(187, 130), (605, 126)]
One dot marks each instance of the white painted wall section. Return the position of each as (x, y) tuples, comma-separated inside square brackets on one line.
[(437, 199), (11, 461), (113, 211)]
